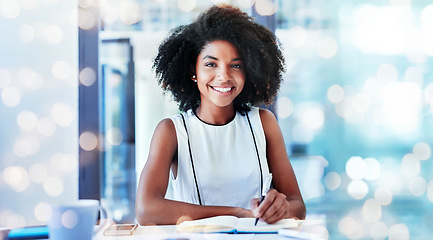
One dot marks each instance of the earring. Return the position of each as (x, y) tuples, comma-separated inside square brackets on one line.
[(194, 78)]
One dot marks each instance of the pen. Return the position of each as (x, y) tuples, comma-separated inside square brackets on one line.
[(266, 188)]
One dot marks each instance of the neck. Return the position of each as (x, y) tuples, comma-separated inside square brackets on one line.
[(216, 115)]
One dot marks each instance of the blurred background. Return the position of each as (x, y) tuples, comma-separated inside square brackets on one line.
[(79, 103)]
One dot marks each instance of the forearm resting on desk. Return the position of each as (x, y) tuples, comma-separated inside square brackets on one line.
[(167, 212)]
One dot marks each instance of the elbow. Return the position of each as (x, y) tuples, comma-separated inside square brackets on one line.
[(145, 214)]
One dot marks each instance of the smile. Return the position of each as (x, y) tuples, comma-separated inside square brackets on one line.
[(222, 89)]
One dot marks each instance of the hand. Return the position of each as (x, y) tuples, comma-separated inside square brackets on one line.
[(273, 208)]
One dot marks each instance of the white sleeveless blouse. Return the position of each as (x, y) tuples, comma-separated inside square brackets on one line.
[(225, 160)]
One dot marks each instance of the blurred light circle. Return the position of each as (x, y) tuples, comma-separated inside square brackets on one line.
[(10, 219), (246, 3), (11, 96), (17, 178), (53, 34), (10, 9), (53, 186), (130, 12), (414, 74), (27, 120), (284, 107), (69, 219), (356, 168), (378, 231), (351, 227), (297, 36), (372, 210), (28, 4), (383, 196), (38, 173), (86, 19), (186, 5), (387, 73), (361, 102), (422, 151), (26, 146), (321, 232), (88, 141), (410, 165), (335, 93), (332, 181), (61, 70), (30, 79), (430, 191), (313, 117), (43, 212), (357, 189), (26, 33), (399, 232), (374, 169), (417, 186), (327, 47), (62, 114), (87, 76), (5, 78), (46, 126), (114, 136), (265, 7), (302, 134), (109, 13)]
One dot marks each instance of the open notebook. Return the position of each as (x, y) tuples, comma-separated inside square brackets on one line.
[(232, 224)]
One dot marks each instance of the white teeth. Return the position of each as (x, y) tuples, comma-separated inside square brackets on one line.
[(224, 90)]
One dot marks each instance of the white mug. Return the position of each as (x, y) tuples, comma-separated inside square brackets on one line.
[(75, 220)]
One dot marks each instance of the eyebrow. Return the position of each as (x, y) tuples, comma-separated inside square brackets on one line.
[(214, 58)]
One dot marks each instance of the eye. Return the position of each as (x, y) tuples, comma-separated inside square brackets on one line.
[(210, 64), (236, 66)]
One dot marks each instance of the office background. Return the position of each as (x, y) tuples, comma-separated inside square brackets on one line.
[(356, 106)]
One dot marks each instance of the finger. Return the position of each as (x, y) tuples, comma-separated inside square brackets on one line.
[(254, 203), (265, 204)]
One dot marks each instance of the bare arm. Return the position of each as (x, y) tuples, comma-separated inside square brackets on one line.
[(151, 206), (285, 199)]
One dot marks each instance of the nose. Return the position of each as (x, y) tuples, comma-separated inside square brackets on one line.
[(223, 74)]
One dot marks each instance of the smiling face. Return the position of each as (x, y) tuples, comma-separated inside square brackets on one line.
[(220, 74)]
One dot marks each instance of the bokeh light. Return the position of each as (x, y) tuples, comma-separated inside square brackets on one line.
[(374, 169), (399, 232), (26, 33), (17, 178), (372, 210), (69, 219), (335, 93), (109, 13), (5, 78), (38, 173), (10, 9), (61, 70), (245, 3), (30, 79), (356, 168), (327, 47), (430, 191), (114, 136), (87, 76), (88, 141), (417, 186), (297, 36), (357, 189), (186, 5), (62, 114), (410, 165), (129, 12), (27, 120), (86, 19), (53, 186), (43, 212), (53, 34), (285, 107), (62, 162), (11, 96), (352, 228), (28, 145), (332, 181), (422, 151), (378, 231), (383, 196), (266, 7)]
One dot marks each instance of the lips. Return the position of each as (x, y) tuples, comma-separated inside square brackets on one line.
[(222, 89)]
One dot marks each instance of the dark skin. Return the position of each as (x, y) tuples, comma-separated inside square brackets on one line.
[(220, 78)]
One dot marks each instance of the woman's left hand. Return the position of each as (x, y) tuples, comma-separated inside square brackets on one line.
[(273, 208)]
